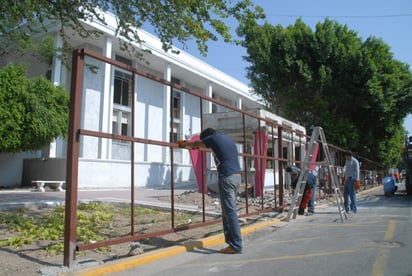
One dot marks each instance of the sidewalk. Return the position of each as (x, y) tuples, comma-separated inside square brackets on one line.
[(26, 197)]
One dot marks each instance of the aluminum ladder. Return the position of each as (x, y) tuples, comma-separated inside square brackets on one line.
[(317, 135)]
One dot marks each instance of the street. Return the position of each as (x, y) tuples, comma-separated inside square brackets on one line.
[(375, 241)]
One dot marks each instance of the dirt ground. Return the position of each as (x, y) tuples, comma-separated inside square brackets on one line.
[(34, 260)]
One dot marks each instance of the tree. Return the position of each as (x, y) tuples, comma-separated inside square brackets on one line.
[(33, 112), (173, 21), (355, 90)]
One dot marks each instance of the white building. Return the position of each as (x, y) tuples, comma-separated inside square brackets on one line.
[(107, 96)]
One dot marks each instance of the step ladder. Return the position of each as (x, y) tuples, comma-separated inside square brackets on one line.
[(317, 135)]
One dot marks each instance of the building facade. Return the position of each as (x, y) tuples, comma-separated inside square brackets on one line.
[(108, 95)]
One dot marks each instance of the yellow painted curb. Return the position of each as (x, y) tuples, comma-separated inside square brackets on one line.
[(115, 266), (370, 190)]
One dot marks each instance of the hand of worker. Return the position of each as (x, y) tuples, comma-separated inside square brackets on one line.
[(357, 184), (181, 143)]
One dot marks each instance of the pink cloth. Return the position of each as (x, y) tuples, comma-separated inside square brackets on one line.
[(196, 156), (260, 148), (315, 155)]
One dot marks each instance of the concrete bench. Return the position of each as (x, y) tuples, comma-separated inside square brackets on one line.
[(53, 184)]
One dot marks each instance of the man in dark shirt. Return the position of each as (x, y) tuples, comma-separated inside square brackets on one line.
[(227, 162), (307, 192)]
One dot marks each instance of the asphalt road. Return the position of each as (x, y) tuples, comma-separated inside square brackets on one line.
[(375, 241)]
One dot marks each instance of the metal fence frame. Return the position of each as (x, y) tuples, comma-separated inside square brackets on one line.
[(75, 131)]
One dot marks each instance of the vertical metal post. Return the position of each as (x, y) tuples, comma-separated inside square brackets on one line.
[(172, 160), (203, 160), (132, 158), (280, 152), (70, 225), (274, 166), (245, 162), (261, 165)]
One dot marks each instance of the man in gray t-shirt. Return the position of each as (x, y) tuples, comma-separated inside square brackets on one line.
[(351, 176)]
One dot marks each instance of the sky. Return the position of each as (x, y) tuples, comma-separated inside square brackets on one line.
[(389, 20)]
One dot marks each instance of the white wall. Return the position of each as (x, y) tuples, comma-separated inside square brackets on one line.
[(152, 166), (106, 174), (93, 88), (148, 119), (11, 168)]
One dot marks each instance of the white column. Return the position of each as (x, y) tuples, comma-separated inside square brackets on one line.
[(209, 92), (106, 122), (239, 103), (207, 108), (57, 63), (56, 79)]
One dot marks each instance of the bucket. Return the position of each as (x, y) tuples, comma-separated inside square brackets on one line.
[(388, 184)]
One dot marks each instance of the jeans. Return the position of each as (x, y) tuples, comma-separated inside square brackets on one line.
[(306, 197), (311, 203), (349, 193), (228, 188)]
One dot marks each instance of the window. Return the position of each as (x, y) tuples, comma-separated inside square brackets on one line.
[(122, 84), (122, 98), (122, 114), (297, 153), (124, 60), (270, 162), (120, 122), (177, 103), (219, 108)]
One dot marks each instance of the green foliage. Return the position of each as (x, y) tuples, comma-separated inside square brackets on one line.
[(33, 111), (173, 21), (355, 90), (47, 49), (93, 220)]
